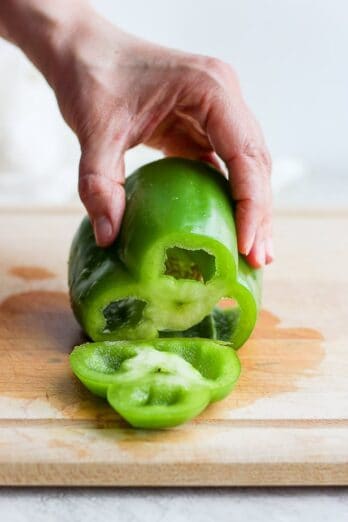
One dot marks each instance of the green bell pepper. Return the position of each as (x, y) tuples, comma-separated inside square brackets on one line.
[(157, 383), (174, 260)]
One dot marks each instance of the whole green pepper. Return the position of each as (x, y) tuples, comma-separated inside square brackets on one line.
[(157, 383), (175, 258)]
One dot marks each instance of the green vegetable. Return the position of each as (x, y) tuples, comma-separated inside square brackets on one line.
[(176, 257), (158, 383)]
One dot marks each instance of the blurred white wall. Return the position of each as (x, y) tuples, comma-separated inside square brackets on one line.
[(290, 55)]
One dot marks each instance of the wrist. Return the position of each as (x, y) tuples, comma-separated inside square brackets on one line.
[(42, 29)]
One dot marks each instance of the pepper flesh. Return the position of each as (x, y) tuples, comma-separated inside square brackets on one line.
[(158, 383), (176, 257)]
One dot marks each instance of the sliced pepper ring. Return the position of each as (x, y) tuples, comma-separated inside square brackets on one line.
[(141, 379)]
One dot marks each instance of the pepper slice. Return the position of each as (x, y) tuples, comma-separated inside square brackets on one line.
[(158, 383), (175, 258)]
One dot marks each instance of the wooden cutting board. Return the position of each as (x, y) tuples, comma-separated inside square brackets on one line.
[(286, 422)]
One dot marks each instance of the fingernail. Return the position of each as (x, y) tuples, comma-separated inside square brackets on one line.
[(269, 250), (103, 230), (247, 246), (261, 254)]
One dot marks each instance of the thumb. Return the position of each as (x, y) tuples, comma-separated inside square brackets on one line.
[(101, 178)]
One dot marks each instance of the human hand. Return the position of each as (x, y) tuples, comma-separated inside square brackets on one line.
[(116, 91)]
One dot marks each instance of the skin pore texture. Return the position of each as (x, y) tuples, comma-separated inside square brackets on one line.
[(116, 91)]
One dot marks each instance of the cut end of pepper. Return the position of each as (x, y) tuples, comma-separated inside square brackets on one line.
[(176, 256), (183, 263)]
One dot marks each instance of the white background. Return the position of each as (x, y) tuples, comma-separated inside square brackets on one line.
[(291, 56)]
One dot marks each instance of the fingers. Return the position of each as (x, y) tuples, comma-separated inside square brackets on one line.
[(212, 158), (237, 139), (185, 142), (262, 250), (250, 187), (101, 188)]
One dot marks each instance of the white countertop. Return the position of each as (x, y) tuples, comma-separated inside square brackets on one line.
[(174, 505)]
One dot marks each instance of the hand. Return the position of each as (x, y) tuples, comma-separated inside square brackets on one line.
[(116, 91)]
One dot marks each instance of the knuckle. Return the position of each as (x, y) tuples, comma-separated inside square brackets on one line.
[(264, 159), (260, 155), (216, 74), (90, 186), (253, 205), (219, 69), (258, 204)]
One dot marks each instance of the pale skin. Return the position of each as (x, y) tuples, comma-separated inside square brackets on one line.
[(116, 91)]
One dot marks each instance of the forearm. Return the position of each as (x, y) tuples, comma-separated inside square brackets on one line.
[(40, 28)]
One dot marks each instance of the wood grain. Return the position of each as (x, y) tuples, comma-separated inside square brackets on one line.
[(285, 424)]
